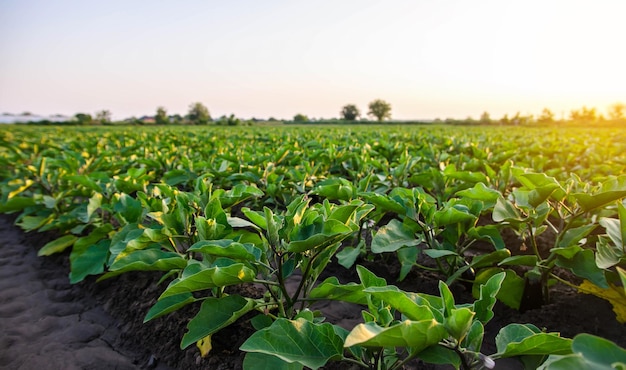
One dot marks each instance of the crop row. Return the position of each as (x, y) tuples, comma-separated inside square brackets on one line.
[(214, 209)]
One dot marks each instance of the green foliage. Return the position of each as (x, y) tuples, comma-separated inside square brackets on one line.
[(379, 109), (210, 208), (198, 114), (300, 118), (350, 112)]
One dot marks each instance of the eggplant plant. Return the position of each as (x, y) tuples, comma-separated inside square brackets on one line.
[(443, 232), (572, 212), (266, 250)]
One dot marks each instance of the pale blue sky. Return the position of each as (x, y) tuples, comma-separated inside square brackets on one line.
[(445, 58)]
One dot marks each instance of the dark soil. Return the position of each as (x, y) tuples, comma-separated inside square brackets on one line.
[(39, 311)]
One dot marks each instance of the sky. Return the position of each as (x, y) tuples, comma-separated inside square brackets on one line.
[(428, 59)]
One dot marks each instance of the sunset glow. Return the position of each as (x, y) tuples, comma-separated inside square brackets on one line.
[(278, 58)]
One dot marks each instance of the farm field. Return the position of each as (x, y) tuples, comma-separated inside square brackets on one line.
[(377, 246)]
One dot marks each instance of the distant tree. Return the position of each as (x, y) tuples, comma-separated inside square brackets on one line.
[(485, 119), (83, 118), (379, 109), (505, 120), (546, 117), (350, 112), (584, 115), (103, 117), (198, 114), (300, 118), (616, 112), (161, 117)]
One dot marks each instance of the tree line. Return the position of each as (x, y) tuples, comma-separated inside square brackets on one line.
[(379, 110)]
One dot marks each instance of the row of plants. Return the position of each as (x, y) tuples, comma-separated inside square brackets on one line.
[(213, 209)]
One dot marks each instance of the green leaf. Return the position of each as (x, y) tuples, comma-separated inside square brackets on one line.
[(583, 264), (521, 260), (332, 289), (440, 355), (262, 361), (453, 215), (368, 278), (505, 211), (519, 340), (481, 192), (393, 236), (384, 203), (256, 217), (169, 304), (227, 248), (590, 202), (459, 322), (401, 301), (16, 204), (607, 254), (152, 259), (197, 277), (543, 183), (215, 314), (573, 236), (613, 228), (474, 339), (129, 209), (490, 259), (301, 341), (597, 350), (347, 256), (318, 235), (439, 253), (85, 181), (57, 245), (88, 259), (488, 292), (407, 257), (415, 334), (490, 233)]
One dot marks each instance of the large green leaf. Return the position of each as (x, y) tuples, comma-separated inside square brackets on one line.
[(318, 235), (453, 215), (488, 292), (394, 236), (215, 314), (520, 339), (197, 277), (301, 341), (227, 248), (504, 210), (401, 301), (169, 304), (384, 203), (152, 259), (262, 361), (573, 236), (57, 245), (583, 264), (414, 334), (481, 192), (88, 259), (16, 204), (332, 289)]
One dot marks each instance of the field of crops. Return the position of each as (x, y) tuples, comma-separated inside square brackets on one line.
[(506, 212)]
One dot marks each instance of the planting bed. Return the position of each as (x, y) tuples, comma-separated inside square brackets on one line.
[(337, 247), (49, 324)]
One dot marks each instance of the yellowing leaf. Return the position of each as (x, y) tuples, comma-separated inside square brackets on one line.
[(614, 294), (204, 345)]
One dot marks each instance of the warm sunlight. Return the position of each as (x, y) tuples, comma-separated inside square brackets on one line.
[(444, 59)]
